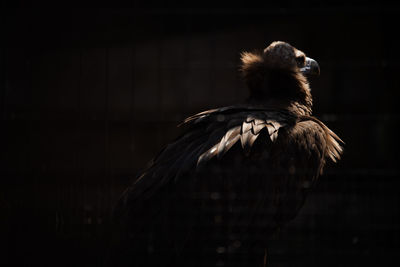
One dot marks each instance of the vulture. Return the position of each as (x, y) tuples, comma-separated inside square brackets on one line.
[(219, 193)]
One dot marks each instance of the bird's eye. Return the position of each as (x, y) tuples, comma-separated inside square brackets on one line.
[(300, 61)]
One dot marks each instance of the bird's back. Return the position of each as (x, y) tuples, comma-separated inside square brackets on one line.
[(216, 195)]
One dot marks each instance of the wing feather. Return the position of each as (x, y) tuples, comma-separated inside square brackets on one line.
[(258, 125), (246, 126), (229, 139), (247, 139)]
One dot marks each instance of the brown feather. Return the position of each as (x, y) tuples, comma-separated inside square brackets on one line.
[(258, 127), (208, 154), (273, 133), (244, 139), (250, 118), (246, 126), (229, 139)]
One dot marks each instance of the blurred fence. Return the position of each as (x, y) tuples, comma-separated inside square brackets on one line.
[(86, 104)]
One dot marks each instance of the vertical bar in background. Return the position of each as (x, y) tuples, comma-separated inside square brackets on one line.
[(93, 141), (3, 74), (120, 113), (102, 199), (79, 169), (212, 70), (186, 58), (131, 119), (160, 41)]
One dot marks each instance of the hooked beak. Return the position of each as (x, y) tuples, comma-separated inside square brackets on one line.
[(311, 67)]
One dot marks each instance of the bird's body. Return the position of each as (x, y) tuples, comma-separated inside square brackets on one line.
[(218, 193)]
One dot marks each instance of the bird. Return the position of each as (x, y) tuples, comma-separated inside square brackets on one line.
[(217, 194)]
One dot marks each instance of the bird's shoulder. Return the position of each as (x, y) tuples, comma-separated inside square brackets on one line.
[(238, 125), (313, 136), (210, 135)]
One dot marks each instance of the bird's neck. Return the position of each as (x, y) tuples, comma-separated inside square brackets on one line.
[(292, 106), (300, 109), (284, 91)]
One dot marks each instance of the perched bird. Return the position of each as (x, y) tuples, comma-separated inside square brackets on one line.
[(216, 195)]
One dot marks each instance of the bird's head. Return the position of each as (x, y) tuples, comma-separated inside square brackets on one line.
[(279, 73), (281, 55)]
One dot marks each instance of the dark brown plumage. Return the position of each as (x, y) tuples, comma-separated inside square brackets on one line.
[(218, 193)]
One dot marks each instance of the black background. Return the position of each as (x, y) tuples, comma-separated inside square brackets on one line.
[(89, 95)]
